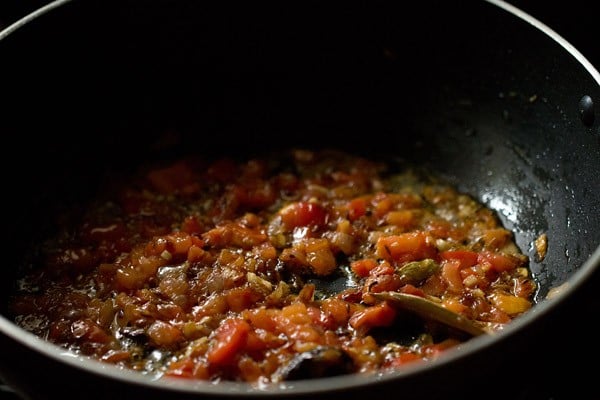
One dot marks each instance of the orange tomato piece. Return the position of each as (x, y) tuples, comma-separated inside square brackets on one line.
[(404, 358), (451, 274), (465, 257), (405, 247), (357, 208), (498, 261), (303, 213), (381, 314), (162, 333), (181, 368), (363, 267)]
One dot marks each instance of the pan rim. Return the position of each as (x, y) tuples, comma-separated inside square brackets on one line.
[(321, 385), (550, 33)]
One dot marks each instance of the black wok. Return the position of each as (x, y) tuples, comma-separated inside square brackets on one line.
[(477, 92)]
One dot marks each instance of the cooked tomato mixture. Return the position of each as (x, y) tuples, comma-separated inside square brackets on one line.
[(268, 269)]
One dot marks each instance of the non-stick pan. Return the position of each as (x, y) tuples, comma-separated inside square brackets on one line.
[(479, 93)]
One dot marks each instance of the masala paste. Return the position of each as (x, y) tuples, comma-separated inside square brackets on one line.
[(264, 269)]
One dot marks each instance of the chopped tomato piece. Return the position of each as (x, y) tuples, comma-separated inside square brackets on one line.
[(363, 267), (191, 225), (403, 359), (452, 276), (454, 305), (181, 368), (89, 330), (401, 218), (411, 289), (303, 213), (405, 247), (357, 208), (511, 305), (230, 337), (164, 334), (381, 314), (498, 261), (465, 257), (381, 283), (435, 350)]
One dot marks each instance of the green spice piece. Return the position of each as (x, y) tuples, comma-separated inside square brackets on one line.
[(417, 271)]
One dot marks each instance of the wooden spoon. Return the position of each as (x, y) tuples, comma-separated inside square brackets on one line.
[(432, 311)]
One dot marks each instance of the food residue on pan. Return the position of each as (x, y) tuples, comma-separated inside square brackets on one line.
[(541, 247), (557, 291), (227, 269)]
